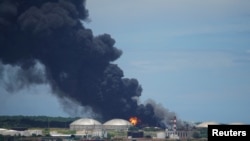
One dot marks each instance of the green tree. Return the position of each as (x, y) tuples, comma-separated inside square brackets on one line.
[(46, 132)]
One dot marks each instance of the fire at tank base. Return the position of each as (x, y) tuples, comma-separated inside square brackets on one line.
[(121, 129)]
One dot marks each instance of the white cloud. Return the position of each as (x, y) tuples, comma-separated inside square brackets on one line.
[(173, 10), (210, 29), (248, 51), (154, 62), (145, 21)]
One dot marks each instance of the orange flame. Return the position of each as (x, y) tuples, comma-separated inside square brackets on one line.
[(134, 120)]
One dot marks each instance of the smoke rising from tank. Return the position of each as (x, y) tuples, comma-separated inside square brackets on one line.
[(77, 64)]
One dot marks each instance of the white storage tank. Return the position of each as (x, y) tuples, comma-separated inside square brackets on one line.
[(161, 135), (117, 124), (85, 124)]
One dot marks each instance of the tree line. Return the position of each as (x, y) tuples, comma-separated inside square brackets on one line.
[(10, 122)]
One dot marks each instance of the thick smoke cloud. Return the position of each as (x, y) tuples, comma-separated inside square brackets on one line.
[(77, 64)]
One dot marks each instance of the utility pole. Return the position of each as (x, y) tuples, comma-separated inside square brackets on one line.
[(48, 122)]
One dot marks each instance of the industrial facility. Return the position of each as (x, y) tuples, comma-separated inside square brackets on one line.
[(115, 129), (10, 132), (92, 124), (85, 124), (117, 124), (87, 128)]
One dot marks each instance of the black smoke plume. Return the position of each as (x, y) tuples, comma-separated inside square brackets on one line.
[(77, 64)]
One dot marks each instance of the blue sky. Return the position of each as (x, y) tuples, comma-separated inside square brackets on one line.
[(193, 57), (190, 56)]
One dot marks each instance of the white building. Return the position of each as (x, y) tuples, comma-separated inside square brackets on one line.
[(85, 124), (27, 133), (117, 124)]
